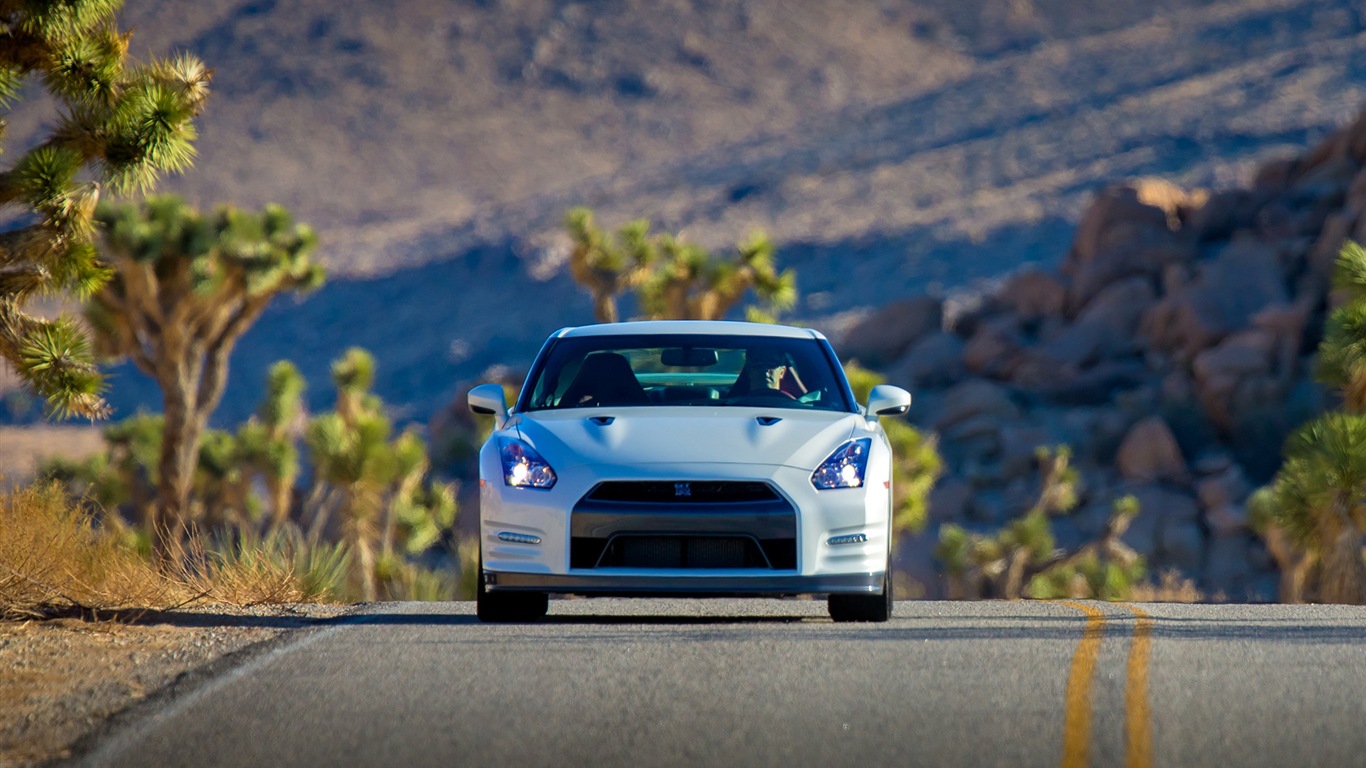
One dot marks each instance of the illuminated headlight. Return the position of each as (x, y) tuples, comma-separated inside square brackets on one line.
[(844, 468), (523, 467)]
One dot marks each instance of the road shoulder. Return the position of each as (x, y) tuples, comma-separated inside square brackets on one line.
[(66, 683)]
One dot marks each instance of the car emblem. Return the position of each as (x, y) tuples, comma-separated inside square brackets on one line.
[(682, 489)]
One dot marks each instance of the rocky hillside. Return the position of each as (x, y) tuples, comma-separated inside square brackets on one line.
[(888, 147), (1172, 348)]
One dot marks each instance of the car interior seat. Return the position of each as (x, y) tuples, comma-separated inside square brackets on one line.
[(605, 378)]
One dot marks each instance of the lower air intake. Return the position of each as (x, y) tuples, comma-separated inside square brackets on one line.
[(682, 552)]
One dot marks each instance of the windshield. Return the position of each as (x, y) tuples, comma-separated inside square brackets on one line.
[(687, 370)]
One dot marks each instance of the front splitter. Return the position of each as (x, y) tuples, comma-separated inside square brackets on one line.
[(604, 585)]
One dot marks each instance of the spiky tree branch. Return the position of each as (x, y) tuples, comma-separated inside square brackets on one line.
[(123, 125)]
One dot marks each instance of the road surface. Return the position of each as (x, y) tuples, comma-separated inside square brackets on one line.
[(775, 683)]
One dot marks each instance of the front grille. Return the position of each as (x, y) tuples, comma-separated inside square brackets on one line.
[(682, 551), (694, 492)]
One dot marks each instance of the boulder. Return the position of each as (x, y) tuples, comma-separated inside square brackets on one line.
[(1104, 328), (934, 361), (949, 499), (994, 349), (1275, 177), (1019, 442), (1150, 452), (1354, 139), (1222, 370), (1224, 213), (1223, 297), (1223, 488), (981, 425), (1213, 463), (1228, 566), (1337, 228), (1182, 546), (1160, 507), (1034, 294), (1094, 386), (888, 332), (1130, 229), (1286, 324), (975, 397), (1227, 519)]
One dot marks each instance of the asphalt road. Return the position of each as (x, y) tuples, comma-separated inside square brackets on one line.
[(770, 682)]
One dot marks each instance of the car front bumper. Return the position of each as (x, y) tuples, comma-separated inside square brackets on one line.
[(543, 524)]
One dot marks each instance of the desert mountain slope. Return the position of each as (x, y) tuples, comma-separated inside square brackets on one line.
[(888, 147)]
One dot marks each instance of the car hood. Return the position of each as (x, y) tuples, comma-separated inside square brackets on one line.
[(801, 439)]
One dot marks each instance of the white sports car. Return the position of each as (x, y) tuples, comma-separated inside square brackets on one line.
[(682, 458)]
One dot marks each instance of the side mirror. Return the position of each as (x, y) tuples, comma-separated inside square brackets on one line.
[(489, 399), (886, 400)]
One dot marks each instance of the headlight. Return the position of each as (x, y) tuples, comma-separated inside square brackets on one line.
[(844, 468), (523, 467)]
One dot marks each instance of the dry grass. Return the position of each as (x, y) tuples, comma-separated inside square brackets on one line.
[(57, 558), (278, 568), (1170, 588)]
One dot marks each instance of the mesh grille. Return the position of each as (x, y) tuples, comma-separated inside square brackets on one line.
[(694, 492), (682, 552)]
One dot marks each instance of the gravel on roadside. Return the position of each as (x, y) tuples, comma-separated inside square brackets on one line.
[(62, 679)]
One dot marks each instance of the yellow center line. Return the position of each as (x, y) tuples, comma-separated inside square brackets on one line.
[(1076, 726), (1138, 720)]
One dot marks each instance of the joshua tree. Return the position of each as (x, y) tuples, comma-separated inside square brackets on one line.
[(372, 483), (122, 126), (1312, 512), (1319, 499), (185, 287), (608, 266), (266, 443), (690, 283), (1342, 353), (1022, 558), (674, 280)]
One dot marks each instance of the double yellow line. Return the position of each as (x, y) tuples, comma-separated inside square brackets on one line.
[(1076, 731)]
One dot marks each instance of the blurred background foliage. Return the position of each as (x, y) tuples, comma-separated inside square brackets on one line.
[(337, 498)]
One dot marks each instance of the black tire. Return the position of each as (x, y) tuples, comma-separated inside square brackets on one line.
[(508, 607), (874, 607)]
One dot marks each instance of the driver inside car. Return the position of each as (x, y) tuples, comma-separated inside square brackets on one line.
[(768, 371)]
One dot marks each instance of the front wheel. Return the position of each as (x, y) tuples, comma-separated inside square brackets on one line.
[(508, 607), (875, 607)]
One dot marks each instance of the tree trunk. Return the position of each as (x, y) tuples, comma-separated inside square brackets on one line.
[(1293, 564), (1015, 579), (1343, 572), (604, 307), (358, 537), (179, 446), (279, 489)]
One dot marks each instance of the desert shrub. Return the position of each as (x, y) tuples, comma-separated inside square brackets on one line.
[(280, 566), (56, 556)]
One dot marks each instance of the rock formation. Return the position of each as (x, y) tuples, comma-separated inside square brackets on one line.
[(1172, 349)]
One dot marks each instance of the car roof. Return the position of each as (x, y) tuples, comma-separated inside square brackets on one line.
[(709, 327)]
